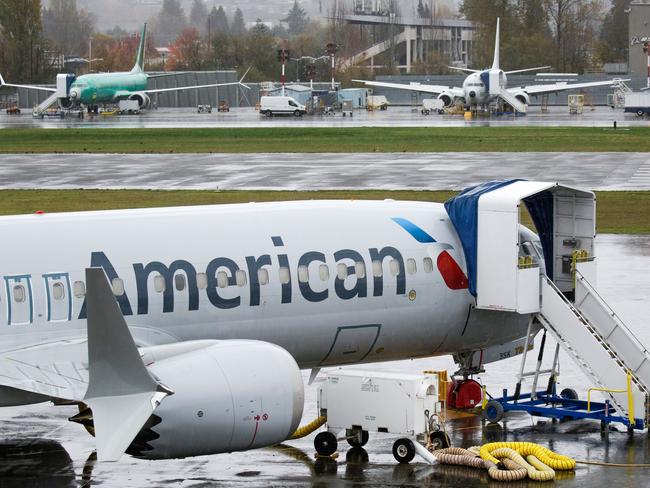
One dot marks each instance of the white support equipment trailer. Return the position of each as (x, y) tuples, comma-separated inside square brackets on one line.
[(358, 402)]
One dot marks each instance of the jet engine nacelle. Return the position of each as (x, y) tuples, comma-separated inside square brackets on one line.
[(66, 103), (230, 396), (143, 99), (523, 97), (446, 98)]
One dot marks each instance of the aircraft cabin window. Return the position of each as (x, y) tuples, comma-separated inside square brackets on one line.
[(19, 293), (240, 277), (428, 265), (118, 286), (360, 269), (303, 274), (394, 267), (263, 276), (411, 267), (222, 279), (342, 271), (58, 292), (159, 283), (324, 272), (377, 269), (179, 282), (285, 275), (201, 281), (79, 288)]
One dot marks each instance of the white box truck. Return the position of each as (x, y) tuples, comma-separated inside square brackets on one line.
[(638, 103), (281, 105)]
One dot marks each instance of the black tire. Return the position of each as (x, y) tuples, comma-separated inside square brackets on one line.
[(640, 113), (403, 450), (325, 443), (569, 394), (426, 112), (364, 440), (493, 411), (297, 113), (269, 113), (439, 440)]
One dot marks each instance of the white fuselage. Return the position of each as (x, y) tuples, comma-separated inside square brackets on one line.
[(332, 282), (476, 87)]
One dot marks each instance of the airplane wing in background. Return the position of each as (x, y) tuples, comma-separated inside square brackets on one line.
[(557, 87), (419, 87), (190, 87), (29, 87)]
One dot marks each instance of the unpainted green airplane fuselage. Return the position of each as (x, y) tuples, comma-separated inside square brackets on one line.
[(105, 87)]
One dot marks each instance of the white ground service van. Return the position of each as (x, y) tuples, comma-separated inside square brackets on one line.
[(638, 103), (280, 105)]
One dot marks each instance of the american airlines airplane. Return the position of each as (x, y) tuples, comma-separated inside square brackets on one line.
[(483, 87), (182, 331)]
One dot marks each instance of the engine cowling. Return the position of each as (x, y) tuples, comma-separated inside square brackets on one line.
[(142, 98), (523, 97), (446, 98), (66, 103), (231, 396)]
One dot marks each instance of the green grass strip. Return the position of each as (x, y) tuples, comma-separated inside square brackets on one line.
[(319, 140), (619, 212)]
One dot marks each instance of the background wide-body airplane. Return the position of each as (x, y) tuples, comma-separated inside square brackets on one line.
[(94, 89), (483, 87), (182, 331)]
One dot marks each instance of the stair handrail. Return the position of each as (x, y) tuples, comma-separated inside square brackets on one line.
[(604, 304)]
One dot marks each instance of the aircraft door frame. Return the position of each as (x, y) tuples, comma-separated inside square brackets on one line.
[(58, 309), (23, 307)]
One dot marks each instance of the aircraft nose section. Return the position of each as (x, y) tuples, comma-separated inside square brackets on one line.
[(74, 93), (472, 94)]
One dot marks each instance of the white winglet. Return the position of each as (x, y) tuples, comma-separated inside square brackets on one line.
[(121, 392), (2, 80)]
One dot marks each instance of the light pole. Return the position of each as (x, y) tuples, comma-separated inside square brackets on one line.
[(312, 68), (332, 49)]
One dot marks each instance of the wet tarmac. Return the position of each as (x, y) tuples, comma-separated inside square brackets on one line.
[(434, 171), (40, 448), (395, 116)]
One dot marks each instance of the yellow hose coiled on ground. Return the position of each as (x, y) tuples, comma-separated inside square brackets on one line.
[(305, 430), (535, 469), (546, 456)]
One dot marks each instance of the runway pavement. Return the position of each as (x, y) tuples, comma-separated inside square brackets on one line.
[(435, 171)]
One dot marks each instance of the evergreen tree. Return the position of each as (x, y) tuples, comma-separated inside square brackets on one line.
[(20, 39), (296, 19), (238, 26), (68, 28), (220, 20), (198, 16), (170, 21), (614, 33)]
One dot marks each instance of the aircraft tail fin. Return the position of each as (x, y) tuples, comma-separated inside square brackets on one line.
[(139, 60), (495, 62)]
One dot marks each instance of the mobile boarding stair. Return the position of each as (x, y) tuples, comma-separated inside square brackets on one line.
[(555, 286)]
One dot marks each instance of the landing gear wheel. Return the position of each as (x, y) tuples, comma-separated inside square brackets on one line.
[(493, 411), (403, 450), (354, 442), (439, 440), (325, 444), (569, 394)]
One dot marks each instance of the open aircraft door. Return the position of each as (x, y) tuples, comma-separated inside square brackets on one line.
[(487, 219)]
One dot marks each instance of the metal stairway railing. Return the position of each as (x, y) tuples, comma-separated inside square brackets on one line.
[(45, 104), (605, 364)]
